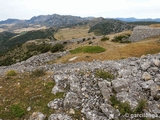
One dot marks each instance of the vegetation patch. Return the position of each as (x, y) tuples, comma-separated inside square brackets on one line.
[(57, 47), (33, 92), (104, 74), (140, 107), (11, 73), (88, 49), (22, 38), (38, 73), (122, 38), (104, 38), (110, 26), (124, 107), (17, 110)]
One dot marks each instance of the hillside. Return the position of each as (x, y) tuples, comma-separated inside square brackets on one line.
[(10, 40), (110, 26)]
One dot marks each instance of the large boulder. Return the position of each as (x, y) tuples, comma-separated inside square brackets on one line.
[(120, 85), (110, 111), (71, 100), (105, 89)]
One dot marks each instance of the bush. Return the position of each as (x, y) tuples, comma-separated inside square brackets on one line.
[(11, 73), (17, 110), (104, 38), (90, 42), (88, 49), (105, 75), (121, 39), (57, 47), (38, 73)]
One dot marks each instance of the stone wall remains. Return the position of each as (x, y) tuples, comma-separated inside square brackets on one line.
[(142, 32)]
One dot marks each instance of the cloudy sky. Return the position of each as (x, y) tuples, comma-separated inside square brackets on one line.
[(25, 9)]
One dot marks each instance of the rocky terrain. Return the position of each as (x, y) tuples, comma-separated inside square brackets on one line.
[(133, 81), (142, 32)]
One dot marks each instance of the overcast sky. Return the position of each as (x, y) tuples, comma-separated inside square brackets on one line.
[(25, 9)]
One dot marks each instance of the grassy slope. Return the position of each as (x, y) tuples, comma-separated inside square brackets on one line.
[(115, 51), (74, 32), (26, 36), (26, 90)]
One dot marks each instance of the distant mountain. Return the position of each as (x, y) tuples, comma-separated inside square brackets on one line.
[(12, 21), (54, 20), (132, 19)]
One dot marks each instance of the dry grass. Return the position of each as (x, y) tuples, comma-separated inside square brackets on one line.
[(155, 25), (74, 32), (26, 91), (29, 29), (115, 51)]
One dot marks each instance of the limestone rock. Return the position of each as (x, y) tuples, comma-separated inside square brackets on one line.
[(156, 62), (146, 76), (71, 100), (37, 116), (56, 104), (120, 85), (60, 116), (105, 90), (109, 111)]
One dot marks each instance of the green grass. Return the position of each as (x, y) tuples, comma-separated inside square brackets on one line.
[(26, 91), (122, 38), (11, 73), (104, 74), (124, 107), (88, 49), (140, 107), (17, 110)]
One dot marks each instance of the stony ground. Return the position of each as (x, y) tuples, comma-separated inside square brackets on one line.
[(99, 90)]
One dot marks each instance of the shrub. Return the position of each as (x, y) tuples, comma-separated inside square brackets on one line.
[(57, 47), (94, 38), (17, 110), (90, 42), (88, 49), (38, 73), (121, 39), (11, 73), (104, 38), (105, 75)]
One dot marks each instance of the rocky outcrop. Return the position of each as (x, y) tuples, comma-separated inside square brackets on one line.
[(135, 79), (142, 32), (33, 62)]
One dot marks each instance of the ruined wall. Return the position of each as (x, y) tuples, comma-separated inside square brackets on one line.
[(142, 32)]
